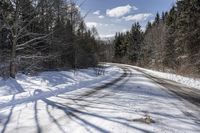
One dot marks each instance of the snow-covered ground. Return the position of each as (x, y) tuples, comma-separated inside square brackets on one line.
[(190, 82), (135, 104), (53, 81)]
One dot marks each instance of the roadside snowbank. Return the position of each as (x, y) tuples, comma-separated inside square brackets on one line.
[(49, 81), (190, 82)]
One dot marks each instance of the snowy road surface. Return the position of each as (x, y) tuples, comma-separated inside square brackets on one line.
[(131, 103)]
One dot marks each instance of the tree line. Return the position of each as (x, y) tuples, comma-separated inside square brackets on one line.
[(40, 35), (170, 42)]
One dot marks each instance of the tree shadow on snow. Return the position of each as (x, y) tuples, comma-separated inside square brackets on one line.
[(75, 115), (39, 130), (8, 117)]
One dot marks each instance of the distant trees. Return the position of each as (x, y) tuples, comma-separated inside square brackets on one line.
[(51, 34), (154, 41), (128, 45), (170, 54), (135, 37), (120, 45), (170, 42), (44, 34)]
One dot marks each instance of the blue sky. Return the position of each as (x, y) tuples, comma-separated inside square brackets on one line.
[(111, 16)]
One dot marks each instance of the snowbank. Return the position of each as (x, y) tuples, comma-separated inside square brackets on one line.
[(190, 82), (53, 80)]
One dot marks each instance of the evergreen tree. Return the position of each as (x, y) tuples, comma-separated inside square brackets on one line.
[(45, 34), (187, 33), (120, 47), (170, 49), (134, 44), (157, 18)]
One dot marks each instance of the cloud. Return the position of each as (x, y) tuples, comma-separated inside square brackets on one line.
[(91, 24), (107, 36), (124, 30), (119, 11), (101, 16), (95, 24), (97, 12), (138, 17), (105, 25)]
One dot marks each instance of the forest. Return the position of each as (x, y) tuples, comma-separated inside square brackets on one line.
[(39, 35), (170, 43), (99, 66)]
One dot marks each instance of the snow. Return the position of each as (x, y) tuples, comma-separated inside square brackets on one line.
[(9, 86), (64, 102), (120, 108), (189, 82), (53, 81)]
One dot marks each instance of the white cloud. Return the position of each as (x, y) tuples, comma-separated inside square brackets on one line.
[(95, 24), (138, 17), (104, 25), (124, 30), (91, 24), (120, 11), (97, 12), (101, 16), (107, 36)]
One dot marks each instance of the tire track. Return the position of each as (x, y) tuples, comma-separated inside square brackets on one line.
[(181, 92), (190, 94), (107, 85)]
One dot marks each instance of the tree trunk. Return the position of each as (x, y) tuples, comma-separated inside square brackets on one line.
[(13, 62)]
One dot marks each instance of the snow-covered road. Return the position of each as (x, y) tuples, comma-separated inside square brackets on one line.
[(131, 103)]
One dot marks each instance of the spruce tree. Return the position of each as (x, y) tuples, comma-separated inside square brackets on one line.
[(135, 40), (169, 48)]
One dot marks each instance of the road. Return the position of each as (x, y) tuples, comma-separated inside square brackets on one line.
[(134, 102)]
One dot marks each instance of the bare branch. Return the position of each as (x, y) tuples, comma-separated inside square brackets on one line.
[(32, 40)]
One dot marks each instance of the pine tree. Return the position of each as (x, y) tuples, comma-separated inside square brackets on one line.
[(170, 49), (157, 18), (45, 34), (135, 40), (188, 32), (120, 47)]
